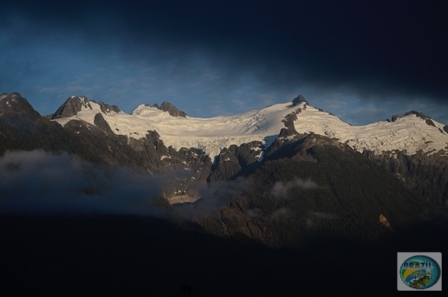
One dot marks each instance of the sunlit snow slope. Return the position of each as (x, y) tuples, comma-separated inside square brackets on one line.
[(409, 133), (208, 134)]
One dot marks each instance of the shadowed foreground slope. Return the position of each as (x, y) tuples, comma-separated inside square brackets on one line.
[(129, 256)]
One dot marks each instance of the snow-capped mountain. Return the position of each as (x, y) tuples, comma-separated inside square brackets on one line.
[(413, 147), (409, 134), (272, 174), (289, 175), (208, 134)]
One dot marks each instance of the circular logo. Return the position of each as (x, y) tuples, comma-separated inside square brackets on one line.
[(420, 272)]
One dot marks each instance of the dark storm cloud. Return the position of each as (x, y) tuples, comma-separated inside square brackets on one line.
[(373, 48), (41, 183)]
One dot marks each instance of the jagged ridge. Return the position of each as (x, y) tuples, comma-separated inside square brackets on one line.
[(407, 133), (252, 146), (171, 109)]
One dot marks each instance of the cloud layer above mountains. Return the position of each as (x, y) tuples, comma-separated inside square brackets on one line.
[(205, 56)]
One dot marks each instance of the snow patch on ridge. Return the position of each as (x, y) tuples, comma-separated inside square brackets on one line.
[(209, 134), (409, 133)]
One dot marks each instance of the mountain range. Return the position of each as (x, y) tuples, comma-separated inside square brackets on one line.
[(286, 162), (287, 176)]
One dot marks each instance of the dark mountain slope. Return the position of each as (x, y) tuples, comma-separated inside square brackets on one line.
[(22, 128), (426, 176), (312, 186), (304, 186), (308, 192)]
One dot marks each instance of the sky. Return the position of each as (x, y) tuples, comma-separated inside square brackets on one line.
[(363, 61)]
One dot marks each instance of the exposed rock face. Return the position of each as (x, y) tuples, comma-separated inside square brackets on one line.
[(231, 161), (101, 123), (106, 108), (71, 107), (286, 132), (299, 99), (429, 122), (301, 147), (426, 176), (15, 104), (384, 221), (289, 121), (74, 104), (171, 109), (418, 114), (17, 121), (226, 165)]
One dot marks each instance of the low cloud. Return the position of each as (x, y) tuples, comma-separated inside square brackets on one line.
[(254, 212), (213, 196), (281, 189), (315, 217), (281, 214), (36, 182)]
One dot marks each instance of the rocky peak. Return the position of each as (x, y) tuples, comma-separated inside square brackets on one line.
[(14, 103), (171, 109), (419, 114), (299, 99), (106, 108), (71, 107)]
